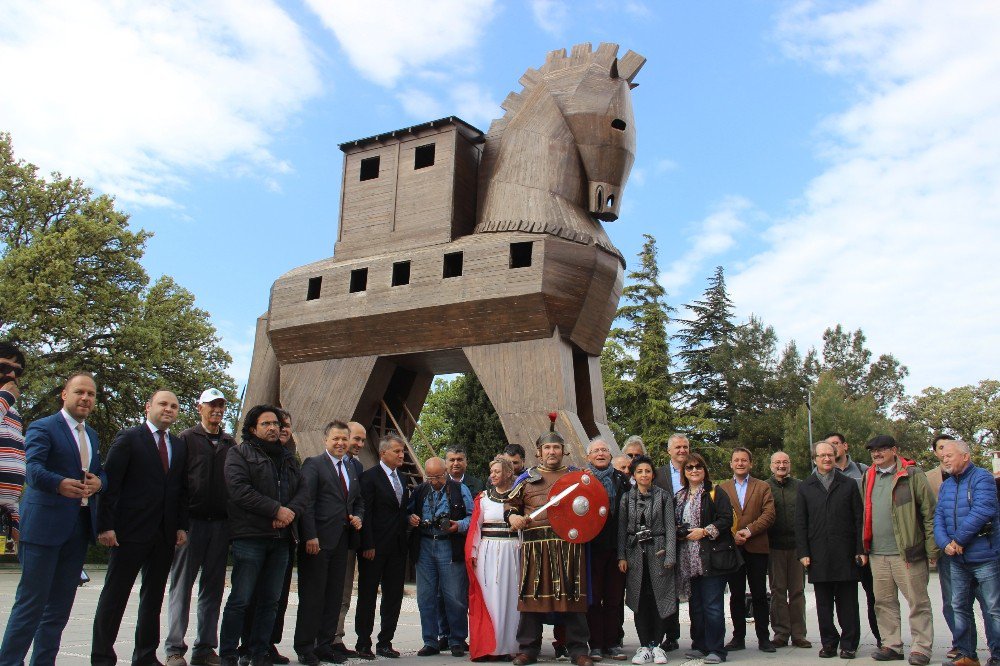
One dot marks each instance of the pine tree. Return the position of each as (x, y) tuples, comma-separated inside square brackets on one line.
[(706, 352)]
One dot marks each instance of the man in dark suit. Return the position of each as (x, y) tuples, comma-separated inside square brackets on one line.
[(383, 549), (358, 441), (142, 517), (332, 518), (58, 516)]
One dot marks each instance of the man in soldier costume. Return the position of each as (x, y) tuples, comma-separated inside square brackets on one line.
[(553, 574)]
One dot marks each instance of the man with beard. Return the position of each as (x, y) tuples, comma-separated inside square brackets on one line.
[(265, 499), (540, 593)]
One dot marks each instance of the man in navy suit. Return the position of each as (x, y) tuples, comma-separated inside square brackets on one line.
[(58, 518), (142, 517), (332, 519)]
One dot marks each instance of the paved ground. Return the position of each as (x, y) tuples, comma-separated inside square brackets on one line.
[(76, 639)]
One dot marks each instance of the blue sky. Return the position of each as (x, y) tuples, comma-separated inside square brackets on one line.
[(840, 159)]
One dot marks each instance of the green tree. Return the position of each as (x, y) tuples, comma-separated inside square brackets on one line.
[(431, 437), (636, 359), (706, 354), (80, 300), (845, 354), (971, 413), (858, 418)]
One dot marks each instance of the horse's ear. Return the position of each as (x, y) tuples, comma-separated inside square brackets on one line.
[(629, 65)]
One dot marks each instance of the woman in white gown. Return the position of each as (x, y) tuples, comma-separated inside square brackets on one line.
[(493, 560)]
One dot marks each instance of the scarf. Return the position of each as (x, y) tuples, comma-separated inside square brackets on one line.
[(606, 477), (688, 510), (825, 479)]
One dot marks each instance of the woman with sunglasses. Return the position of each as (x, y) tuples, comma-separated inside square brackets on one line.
[(647, 553), (706, 554)]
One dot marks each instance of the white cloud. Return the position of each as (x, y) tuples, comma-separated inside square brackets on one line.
[(474, 104), (713, 236), (129, 96), (387, 40), (900, 234), (550, 15), (420, 104)]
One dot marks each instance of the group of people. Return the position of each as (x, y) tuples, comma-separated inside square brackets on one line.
[(491, 572)]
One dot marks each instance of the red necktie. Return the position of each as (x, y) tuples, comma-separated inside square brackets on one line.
[(162, 446), (340, 472)]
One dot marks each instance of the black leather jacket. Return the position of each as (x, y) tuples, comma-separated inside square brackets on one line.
[(257, 489)]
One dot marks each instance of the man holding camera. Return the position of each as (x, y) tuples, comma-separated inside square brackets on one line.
[(440, 510)]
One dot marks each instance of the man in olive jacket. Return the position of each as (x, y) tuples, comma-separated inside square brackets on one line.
[(788, 601), (899, 538)]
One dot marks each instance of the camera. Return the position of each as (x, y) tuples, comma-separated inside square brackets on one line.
[(441, 522), (683, 530), (643, 536), (986, 531)]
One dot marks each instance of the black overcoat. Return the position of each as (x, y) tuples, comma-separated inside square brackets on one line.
[(828, 528)]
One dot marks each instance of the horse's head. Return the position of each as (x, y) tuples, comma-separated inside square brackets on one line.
[(598, 111)]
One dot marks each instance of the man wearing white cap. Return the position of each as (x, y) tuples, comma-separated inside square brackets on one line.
[(207, 547)]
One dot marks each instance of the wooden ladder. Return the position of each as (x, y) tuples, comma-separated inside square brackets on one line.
[(384, 423)]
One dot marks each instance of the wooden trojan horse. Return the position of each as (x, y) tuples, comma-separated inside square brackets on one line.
[(458, 252)]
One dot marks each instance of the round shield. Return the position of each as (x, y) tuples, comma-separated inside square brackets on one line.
[(580, 515)]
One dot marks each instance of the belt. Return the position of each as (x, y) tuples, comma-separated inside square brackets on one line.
[(435, 537), (498, 534)]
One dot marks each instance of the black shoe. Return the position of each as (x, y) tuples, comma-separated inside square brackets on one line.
[(276, 657), (828, 653), (765, 646), (669, 645), (428, 651), (443, 643), (308, 658), (848, 654), (342, 649), (561, 651), (736, 645), (365, 652), (331, 656), (386, 651), (457, 651), (229, 661)]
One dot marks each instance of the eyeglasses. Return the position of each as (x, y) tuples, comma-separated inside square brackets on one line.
[(693, 468), (7, 368), (631, 455), (825, 455), (268, 424)]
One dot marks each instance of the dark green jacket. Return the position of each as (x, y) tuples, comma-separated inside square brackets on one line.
[(781, 535)]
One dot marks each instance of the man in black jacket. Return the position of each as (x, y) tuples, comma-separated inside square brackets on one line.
[(332, 520), (142, 516), (265, 499), (383, 549), (207, 547), (605, 615), (828, 519)]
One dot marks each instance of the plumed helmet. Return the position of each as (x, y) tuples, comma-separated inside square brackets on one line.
[(550, 437)]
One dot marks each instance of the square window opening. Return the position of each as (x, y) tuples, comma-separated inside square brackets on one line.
[(359, 280), (400, 273), (520, 254), (452, 265), (423, 157), (369, 168), (315, 285)]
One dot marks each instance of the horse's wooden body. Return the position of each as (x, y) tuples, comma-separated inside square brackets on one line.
[(459, 252)]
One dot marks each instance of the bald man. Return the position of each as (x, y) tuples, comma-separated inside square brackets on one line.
[(788, 601)]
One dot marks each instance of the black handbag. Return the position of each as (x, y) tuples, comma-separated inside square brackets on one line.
[(723, 557)]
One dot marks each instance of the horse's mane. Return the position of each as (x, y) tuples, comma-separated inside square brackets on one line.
[(581, 57)]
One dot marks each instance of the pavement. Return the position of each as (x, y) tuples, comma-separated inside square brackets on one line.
[(76, 638)]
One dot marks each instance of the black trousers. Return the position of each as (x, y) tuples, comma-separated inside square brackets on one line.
[(754, 572), (321, 591), (577, 635), (606, 614), (279, 614), (152, 559), (648, 623), (843, 595), (388, 571)]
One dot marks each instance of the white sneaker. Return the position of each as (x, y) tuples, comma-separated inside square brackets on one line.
[(643, 656), (659, 656)]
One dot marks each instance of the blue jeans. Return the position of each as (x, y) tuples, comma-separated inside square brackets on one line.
[(964, 580), (258, 566), (708, 619), (944, 578), (436, 572)]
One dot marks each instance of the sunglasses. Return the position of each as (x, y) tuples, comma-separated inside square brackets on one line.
[(692, 468), (7, 368)]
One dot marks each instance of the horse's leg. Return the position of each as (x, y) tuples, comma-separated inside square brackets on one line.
[(527, 380)]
